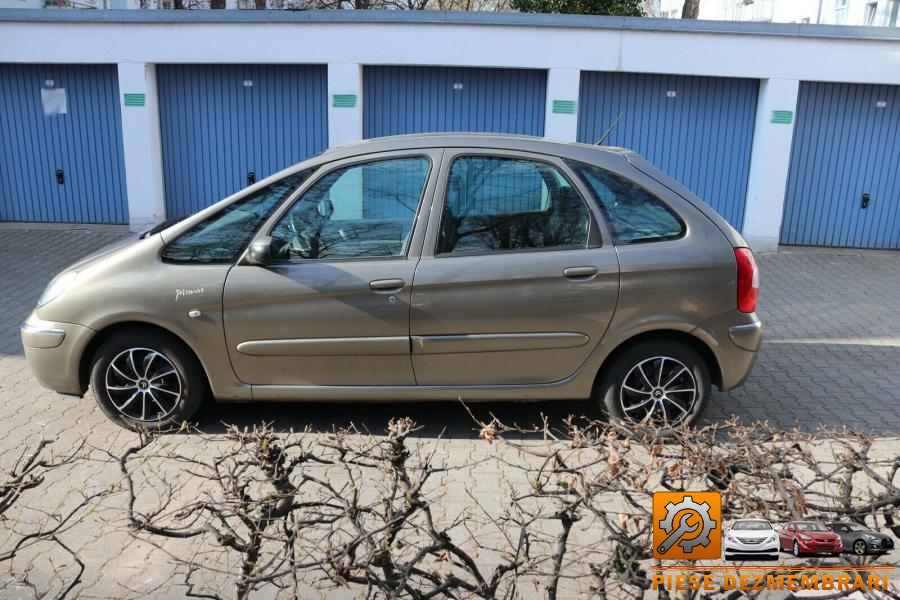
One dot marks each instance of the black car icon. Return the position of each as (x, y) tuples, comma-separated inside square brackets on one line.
[(859, 539)]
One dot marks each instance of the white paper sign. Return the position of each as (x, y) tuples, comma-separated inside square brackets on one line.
[(54, 101)]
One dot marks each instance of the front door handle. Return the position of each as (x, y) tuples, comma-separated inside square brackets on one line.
[(580, 272), (387, 285)]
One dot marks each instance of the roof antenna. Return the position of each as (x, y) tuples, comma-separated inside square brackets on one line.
[(609, 131)]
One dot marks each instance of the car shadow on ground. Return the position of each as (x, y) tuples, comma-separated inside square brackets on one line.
[(449, 420)]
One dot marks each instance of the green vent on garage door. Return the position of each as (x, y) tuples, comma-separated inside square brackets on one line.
[(566, 107), (344, 100)]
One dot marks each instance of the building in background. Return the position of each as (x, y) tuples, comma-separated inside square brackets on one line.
[(873, 13)]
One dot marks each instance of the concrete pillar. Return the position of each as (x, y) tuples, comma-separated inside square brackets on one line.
[(769, 162), (561, 113), (345, 123), (142, 144)]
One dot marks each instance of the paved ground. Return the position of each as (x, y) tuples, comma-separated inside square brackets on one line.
[(831, 355)]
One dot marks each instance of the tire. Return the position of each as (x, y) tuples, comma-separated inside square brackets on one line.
[(631, 384), (860, 547), (796, 549), (168, 383)]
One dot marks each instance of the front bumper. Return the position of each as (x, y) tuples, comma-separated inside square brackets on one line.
[(53, 352), (736, 545), (816, 547)]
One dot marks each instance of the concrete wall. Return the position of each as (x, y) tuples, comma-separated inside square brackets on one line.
[(778, 55)]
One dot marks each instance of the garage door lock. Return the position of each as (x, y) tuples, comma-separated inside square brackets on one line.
[(865, 201), (60, 177)]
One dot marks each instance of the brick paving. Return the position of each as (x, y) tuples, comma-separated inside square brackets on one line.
[(831, 355)]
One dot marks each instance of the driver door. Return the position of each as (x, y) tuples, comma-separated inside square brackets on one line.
[(332, 308)]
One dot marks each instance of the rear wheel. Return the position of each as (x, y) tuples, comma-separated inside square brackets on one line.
[(146, 379), (663, 383)]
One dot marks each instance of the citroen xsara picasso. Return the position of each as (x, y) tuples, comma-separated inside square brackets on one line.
[(416, 268)]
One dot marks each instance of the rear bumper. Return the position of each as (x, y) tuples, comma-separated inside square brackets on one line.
[(53, 351), (734, 338)]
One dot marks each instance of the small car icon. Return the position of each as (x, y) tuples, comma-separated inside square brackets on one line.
[(751, 538), (859, 539), (809, 537)]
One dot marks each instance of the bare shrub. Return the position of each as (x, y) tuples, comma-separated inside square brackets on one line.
[(370, 513)]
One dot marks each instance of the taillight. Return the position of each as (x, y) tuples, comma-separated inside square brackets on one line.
[(747, 280)]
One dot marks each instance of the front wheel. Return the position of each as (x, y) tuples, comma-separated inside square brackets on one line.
[(145, 379), (663, 383), (796, 549), (859, 547)]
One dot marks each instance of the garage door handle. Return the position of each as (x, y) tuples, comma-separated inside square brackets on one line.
[(387, 285), (577, 273)]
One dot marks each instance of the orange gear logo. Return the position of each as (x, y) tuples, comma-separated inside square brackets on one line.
[(687, 525)]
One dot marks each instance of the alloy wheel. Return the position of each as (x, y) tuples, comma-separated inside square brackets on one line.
[(143, 384), (859, 547), (796, 549), (658, 390)]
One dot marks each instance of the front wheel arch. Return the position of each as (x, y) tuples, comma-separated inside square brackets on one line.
[(87, 357)]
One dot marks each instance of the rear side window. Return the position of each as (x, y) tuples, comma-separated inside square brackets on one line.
[(634, 215), (502, 204), (222, 237)]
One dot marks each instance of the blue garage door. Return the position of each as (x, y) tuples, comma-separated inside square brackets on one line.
[(846, 144), (698, 130), (225, 125), (61, 156), (400, 100)]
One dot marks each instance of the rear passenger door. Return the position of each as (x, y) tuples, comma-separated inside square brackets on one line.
[(518, 280)]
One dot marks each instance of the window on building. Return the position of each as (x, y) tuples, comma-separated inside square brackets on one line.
[(892, 10), (871, 9), (502, 204)]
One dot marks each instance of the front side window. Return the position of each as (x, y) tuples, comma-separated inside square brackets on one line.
[(502, 204), (222, 237), (634, 215), (358, 211)]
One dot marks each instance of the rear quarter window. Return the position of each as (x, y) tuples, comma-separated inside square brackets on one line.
[(634, 215)]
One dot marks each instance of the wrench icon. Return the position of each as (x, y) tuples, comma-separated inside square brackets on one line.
[(682, 529)]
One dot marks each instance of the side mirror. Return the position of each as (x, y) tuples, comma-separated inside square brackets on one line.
[(777, 527), (260, 252)]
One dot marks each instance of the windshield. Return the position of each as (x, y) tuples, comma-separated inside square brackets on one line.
[(752, 525), (857, 527), (811, 527)]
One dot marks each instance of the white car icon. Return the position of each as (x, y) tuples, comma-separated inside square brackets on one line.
[(751, 538)]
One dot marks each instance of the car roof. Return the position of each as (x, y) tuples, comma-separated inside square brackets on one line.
[(523, 143)]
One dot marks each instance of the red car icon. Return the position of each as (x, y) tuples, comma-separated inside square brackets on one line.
[(808, 537)]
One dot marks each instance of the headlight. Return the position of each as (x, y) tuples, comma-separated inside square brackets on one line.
[(771, 538), (57, 287), (803, 536), (869, 537)]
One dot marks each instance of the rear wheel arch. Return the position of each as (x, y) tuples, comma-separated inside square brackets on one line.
[(90, 351), (671, 335)]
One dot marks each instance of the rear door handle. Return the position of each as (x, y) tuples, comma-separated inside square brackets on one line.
[(580, 272), (387, 285)]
